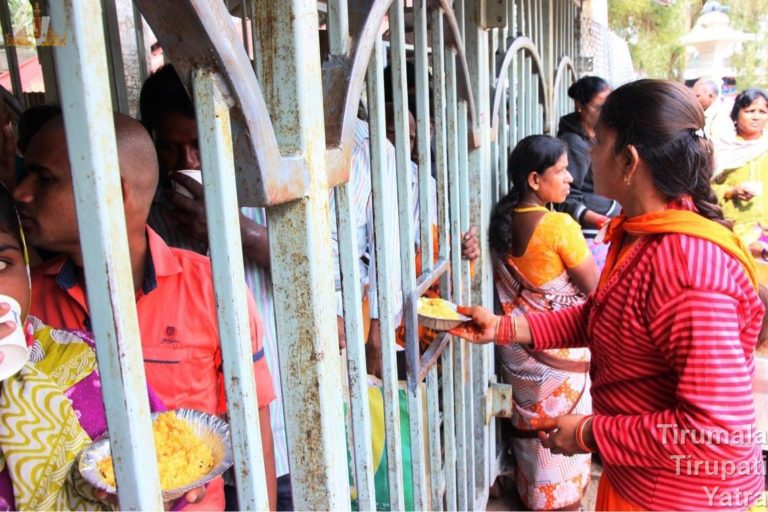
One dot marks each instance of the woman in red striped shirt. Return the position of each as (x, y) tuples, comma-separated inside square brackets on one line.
[(672, 326)]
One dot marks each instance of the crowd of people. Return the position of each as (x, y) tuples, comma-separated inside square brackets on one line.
[(168, 249), (624, 259)]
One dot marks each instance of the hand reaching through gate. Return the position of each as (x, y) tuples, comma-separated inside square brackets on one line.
[(470, 245), (486, 327)]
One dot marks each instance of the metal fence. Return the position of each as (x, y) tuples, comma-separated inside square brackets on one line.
[(277, 126)]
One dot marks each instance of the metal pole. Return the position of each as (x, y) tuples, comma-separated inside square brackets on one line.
[(82, 69), (212, 114), (299, 234), (479, 205)]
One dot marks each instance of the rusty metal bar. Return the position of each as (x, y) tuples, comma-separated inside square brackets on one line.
[(87, 107), (212, 115), (440, 465), (433, 420), (407, 249), (441, 140), (382, 198), (423, 138), (338, 27), (356, 367), (299, 235), (115, 57), (361, 450)]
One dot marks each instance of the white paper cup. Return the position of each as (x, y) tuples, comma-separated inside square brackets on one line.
[(753, 187), (14, 346), (195, 174)]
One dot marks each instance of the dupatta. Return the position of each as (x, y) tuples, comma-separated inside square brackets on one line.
[(40, 432)]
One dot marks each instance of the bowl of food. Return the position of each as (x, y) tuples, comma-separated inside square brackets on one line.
[(439, 314), (192, 448)]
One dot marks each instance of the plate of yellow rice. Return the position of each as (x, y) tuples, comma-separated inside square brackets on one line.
[(192, 448), (439, 314)]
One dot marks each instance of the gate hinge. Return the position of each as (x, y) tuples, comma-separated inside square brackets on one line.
[(498, 401)]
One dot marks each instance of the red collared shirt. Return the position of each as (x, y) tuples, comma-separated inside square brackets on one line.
[(177, 319)]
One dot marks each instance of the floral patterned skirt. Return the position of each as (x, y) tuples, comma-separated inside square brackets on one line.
[(545, 481)]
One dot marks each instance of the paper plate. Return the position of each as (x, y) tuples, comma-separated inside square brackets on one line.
[(441, 324), (210, 429)]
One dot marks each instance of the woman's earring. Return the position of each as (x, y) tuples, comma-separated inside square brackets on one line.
[(627, 180)]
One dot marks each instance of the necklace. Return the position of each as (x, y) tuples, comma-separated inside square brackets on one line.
[(526, 209)]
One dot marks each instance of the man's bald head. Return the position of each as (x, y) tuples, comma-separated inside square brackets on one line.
[(706, 92), (136, 154)]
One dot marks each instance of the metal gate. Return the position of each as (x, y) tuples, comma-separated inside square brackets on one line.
[(277, 124)]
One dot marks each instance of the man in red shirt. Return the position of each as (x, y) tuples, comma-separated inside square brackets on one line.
[(174, 288)]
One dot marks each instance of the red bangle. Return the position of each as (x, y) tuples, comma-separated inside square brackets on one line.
[(580, 434), (506, 331)]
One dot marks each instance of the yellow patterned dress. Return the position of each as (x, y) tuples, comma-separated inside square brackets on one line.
[(550, 383), (750, 218)]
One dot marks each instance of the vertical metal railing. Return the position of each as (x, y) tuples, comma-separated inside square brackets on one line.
[(453, 424), (453, 448), (382, 200), (299, 237), (362, 456), (443, 480), (87, 107), (212, 114)]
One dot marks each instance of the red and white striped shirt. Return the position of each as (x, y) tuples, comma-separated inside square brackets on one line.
[(672, 335)]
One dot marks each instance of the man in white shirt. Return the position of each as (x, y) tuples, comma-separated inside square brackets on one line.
[(716, 122)]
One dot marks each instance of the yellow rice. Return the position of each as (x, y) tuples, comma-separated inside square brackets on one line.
[(182, 457), (438, 308)]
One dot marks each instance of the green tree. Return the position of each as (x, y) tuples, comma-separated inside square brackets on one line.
[(21, 13), (751, 64), (653, 30)]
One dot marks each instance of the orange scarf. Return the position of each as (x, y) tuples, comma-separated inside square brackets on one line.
[(685, 222)]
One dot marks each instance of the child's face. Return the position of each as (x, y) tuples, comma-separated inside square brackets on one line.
[(14, 281)]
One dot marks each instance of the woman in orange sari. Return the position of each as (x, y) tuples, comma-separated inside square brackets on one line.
[(542, 263)]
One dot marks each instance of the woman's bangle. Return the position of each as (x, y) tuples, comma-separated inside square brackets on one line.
[(507, 330), (580, 434)]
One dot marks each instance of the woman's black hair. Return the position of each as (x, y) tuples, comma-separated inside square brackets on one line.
[(745, 99), (9, 219), (664, 122), (535, 153), (586, 88)]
